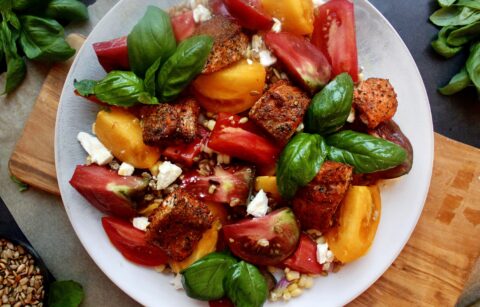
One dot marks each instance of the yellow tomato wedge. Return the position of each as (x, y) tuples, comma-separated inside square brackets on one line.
[(121, 133), (357, 224), (233, 89), (267, 184), (296, 15)]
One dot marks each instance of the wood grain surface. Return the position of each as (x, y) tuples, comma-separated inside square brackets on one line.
[(432, 268)]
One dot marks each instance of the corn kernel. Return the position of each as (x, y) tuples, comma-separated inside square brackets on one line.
[(292, 275), (296, 292), (308, 283), (292, 287), (286, 296)]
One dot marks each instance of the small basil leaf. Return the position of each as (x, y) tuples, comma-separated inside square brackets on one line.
[(444, 3), (151, 38), (460, 81), (150, 75), (183, 66), (203, 280), (330, 108), (454, 16), (300, 162), (42, 39), (16, 71), (366, 153), (71, 10), (85, 87), (442, 47), (245, 285), (65, 294), (473, 65), (464, 34), (22, 186)]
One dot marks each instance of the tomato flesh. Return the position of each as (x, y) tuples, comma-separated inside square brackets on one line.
[(131, 243), (185, 154), (218, 8), (302, 60), (249, 14), (334, 34), (113, 54), (183, 26), (304, 260)]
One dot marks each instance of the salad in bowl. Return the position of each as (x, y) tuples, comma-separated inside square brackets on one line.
[(237, 145)]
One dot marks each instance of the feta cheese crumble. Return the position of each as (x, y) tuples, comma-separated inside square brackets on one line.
[(167, 174), (259, 205), (201, 14), (141, 223), (177, 282), (126, 169), (277, 25), (351, 116), (324, 255), (267, 58), (99, 154)]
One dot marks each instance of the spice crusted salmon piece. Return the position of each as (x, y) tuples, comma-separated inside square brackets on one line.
[(230, 43), (375, 100)]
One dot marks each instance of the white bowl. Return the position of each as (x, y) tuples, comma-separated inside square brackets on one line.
[(382, 54)]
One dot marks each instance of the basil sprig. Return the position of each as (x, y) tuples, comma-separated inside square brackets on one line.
[(150, 39), (300, 162), (16, 67), (245, 285)]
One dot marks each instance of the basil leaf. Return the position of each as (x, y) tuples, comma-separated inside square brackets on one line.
[(151, 38), (331, 107), (30, 5), (203, 280), (473, 65), (300, 162), (460, 81), (366, 153), (473, 4), (441, 46), (245, 285), (16, 67), (454, 15), (85, 87), (150, 75), (42, 39), (183, 66), (65, 294), (464, 34), (22, 186), (71, 10), (444, 3)]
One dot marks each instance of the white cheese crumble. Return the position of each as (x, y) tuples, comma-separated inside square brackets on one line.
[(126, 169), (267, 58), (300, 127), (201, 14), (167, 174), (177, 282), (277, 25), (259, 205), (324, 255), (351, 116), (99, 154), (317, 3), (257, 43), (141, 223)]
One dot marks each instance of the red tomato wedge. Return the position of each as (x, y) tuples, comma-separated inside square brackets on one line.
[(131, 242), (241, 141), (186, 153), (334, 34), (223, 302), (249, 14), (304, 260), (302, 60), (183, 25), (113, 54)]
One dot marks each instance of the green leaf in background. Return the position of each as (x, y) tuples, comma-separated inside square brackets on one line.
[(473, 4), (16, 67), (473, 65), (85, 87), (183, 66), (366, 153), (66, 293), (464, 34), (150, 77), (300, 162), (151, 38), (454, 15), (444, 3), (72, 10), (460, 81), (22, 186), (43, 39), (246, 286), (442, 47), (27, 5)]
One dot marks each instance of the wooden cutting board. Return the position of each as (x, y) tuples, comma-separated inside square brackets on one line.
[(432, 268)]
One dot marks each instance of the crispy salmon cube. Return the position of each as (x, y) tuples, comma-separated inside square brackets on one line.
[(280, 110), (315, 204), (178, 224), (229, 46), (375, 100)]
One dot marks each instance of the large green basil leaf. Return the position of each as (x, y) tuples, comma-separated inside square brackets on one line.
[(43, 39), (464, 34), (203, 280), (151, 38), (473, 65), (245, 285), (150, 77), (65, 293), (70, 10), (442, 47), (458, 82), (454, 15), (16, 67), (330, 108), (300, 162), (119, 88), (365, 152), (183, 66)]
